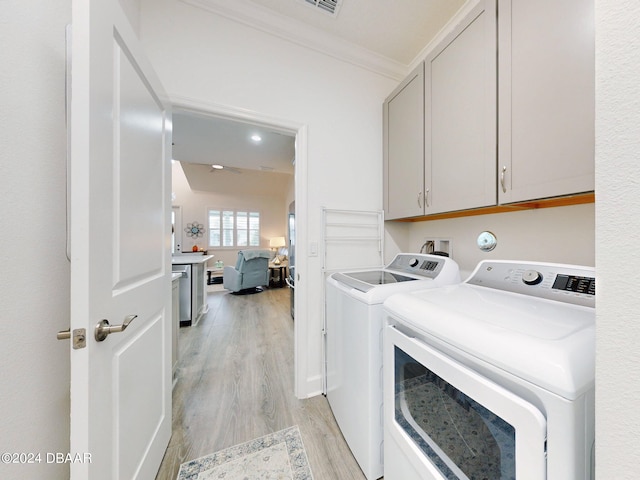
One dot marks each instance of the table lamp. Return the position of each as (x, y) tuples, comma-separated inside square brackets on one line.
[(276, 243)]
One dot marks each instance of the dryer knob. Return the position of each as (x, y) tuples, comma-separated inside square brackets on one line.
[(413, 262), (531, 277)]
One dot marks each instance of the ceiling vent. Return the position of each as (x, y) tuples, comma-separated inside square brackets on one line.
[(329, 6)]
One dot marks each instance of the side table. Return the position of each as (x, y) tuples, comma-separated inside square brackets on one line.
[(214, 275), (282, 271)]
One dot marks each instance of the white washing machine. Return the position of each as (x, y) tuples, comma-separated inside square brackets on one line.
[(354, 327), (493, 377)]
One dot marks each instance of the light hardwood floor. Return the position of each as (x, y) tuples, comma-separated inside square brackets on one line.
[(235, 383)]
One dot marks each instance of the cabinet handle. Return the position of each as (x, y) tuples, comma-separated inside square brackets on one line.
[(504, 188), (426, 198), (420, 199)]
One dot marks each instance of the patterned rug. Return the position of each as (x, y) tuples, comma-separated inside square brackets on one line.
[(279, 455)]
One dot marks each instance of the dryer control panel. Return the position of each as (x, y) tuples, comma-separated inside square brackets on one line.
[(565, 283)]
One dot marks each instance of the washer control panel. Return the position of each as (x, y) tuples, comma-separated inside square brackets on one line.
[(566, 283), (420, 264)]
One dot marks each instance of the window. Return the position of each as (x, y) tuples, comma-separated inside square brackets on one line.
[(229, 228)]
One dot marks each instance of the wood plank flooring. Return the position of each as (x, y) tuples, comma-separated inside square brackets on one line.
[(235, 383)]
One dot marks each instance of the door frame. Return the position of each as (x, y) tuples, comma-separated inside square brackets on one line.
[(301, 201), (178, 227)]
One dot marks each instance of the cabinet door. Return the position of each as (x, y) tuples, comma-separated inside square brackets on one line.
[(460, 123), (546, 97), (404, 148)]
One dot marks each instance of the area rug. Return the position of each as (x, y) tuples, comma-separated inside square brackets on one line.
[(279, 455)]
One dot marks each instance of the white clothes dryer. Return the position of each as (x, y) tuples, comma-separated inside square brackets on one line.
[(493, 377), (354, 328)]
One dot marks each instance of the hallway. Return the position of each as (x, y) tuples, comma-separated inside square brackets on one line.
[(235, 383)]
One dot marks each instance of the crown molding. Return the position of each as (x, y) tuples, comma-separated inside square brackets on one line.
[(304, 35), (446, 30)]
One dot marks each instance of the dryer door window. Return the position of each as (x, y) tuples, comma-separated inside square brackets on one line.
[(463, 424), (461, 437)]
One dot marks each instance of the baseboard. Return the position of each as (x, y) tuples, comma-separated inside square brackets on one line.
[(313, 387)]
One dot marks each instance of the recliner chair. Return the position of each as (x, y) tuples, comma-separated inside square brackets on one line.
[(250, 273)]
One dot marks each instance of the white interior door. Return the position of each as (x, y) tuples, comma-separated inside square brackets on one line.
[(120, 243)]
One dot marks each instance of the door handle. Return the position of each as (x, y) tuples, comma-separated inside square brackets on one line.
[(103, 329)]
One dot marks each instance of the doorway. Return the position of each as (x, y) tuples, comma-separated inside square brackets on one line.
[(176, 225), (299, 132)]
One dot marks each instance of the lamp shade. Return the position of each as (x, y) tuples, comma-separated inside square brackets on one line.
[(276, 242)]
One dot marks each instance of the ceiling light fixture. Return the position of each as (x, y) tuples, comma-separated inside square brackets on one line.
[(217, 167), (256, 138)]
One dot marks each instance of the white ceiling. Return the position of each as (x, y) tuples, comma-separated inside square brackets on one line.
[(385, 36), (210, 140), (395, 29)]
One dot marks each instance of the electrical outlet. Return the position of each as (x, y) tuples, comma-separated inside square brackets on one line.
[(433, 244)]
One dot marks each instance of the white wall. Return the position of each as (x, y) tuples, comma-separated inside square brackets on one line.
[(132, 10), (239, 195), (559, 235), (34, 282), (618, 231), (204, 57)]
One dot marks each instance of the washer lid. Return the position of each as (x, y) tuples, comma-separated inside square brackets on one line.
[(548, 343), (373, 286), (365, 281)]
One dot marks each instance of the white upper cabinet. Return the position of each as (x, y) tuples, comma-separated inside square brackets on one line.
[(460, 115), (546, 98), (501, 111), (404, 148)]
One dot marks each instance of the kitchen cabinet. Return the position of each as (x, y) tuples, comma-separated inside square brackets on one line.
[(460, 115), (403, 115), (175, 323), (546, 58)]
